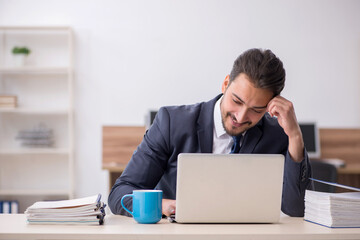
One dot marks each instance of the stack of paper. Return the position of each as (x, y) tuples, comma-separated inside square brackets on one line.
[(336, 210), (88, 211)]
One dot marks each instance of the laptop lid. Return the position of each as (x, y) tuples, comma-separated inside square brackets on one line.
[(229, 188)]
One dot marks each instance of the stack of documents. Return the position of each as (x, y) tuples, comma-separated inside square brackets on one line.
[(335, 210), (88, 211)]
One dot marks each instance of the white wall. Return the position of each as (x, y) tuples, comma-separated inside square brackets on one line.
[(132, 56)]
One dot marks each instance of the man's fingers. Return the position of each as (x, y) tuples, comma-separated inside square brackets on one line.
[(168, 207), (279, 106), (274, 110), (170, 210)]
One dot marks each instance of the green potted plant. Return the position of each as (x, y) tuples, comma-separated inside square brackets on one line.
[(20, 54)]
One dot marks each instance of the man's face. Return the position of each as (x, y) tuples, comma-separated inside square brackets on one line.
[(242, 105)]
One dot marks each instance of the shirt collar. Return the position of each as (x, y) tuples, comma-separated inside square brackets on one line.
[(218, 126)]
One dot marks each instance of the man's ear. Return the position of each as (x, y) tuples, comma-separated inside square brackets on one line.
[(225, 84)]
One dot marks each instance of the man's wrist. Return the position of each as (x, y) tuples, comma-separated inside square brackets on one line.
[(296, 148)]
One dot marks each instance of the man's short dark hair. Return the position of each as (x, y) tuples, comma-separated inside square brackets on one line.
[(264, 69)]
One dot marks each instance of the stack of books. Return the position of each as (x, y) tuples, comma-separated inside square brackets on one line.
[(7, 101), (86, 211), (334, 210), (39, 136)]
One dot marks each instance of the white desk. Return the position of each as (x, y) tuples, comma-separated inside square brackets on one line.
[(119, 227)]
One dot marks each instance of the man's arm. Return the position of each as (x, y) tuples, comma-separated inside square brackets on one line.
[(146, 166), (283, 109), (296, 181), (297, 166)]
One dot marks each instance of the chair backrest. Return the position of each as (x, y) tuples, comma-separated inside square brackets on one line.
[(326, 172)]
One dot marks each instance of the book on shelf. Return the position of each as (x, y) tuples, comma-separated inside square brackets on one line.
[(333, 210), (86, 211), (9, 207), (39, 136)]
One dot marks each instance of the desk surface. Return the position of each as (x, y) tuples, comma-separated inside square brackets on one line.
[(14, 226)]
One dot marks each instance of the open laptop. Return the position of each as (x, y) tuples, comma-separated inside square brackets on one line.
[(229, 188)]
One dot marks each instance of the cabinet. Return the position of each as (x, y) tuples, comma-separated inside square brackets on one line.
[(43, 87), (118, 146)]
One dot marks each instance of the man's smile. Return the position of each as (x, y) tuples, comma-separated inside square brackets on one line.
[(235, 123)]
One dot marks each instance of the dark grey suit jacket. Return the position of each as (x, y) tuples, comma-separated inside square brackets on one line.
[(189, 129)]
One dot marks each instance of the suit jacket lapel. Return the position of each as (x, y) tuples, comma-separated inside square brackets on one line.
[(205, 144), (251, 138), (206, 125)]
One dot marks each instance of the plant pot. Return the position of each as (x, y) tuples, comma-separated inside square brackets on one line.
[(19, 60)]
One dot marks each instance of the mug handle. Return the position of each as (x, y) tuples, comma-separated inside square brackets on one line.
[(122, 204)]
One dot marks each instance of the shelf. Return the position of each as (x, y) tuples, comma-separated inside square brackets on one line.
[(34, 111), (33, 192), (35, 70), (35, 28), (26, 151)]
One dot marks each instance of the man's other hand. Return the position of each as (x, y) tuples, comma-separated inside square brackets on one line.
[(168, 207), (283, 109)]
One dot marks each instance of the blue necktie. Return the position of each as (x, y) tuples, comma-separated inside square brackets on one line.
[(236, 146)]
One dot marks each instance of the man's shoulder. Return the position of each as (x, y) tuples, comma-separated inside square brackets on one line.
[(182, 115)]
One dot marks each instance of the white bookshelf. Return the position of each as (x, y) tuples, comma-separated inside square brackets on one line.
[(44, 90)]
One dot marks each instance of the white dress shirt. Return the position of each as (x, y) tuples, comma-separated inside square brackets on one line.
[(222, 142)]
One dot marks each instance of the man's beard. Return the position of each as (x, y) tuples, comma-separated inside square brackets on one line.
[(235, 131)]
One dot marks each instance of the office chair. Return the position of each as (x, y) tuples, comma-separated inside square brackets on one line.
[(326, 172)]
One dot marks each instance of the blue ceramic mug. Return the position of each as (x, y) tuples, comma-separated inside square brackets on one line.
[(147, 205)]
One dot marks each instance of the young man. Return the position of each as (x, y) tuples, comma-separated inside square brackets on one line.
[(250, 109)]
